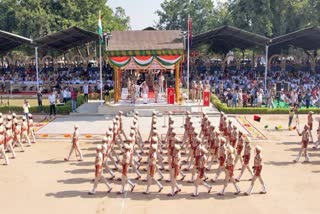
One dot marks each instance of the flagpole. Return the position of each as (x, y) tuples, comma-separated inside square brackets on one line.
[(188, 60), (100, 59)]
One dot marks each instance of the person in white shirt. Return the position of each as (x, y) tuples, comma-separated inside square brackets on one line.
[(26, 107), (65, 95), (52, 101), (86, 92)]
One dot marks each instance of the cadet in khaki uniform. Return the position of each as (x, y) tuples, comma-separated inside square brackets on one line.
[(105, 155), (134, 164), (99, 172), (2, 142), (318, 138), (304, 144), (9, 140), (201, 173), (310, 124), (239, 149), (246, 158), (214, 148), (24, 131), (175, 170), (75, 144), (17, 135), (122, 134), (234, 137), (257, 172), (31, 128), (222, 158), (229, 172), (152, 162), (125, 166)]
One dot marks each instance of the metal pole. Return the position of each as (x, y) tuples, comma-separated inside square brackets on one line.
[(266, 70), (100, 59), (37, 68), (188, 61)]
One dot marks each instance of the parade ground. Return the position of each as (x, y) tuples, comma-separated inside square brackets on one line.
[(40, 181)]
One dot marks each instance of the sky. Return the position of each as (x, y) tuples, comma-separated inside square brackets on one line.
[(141, 12)]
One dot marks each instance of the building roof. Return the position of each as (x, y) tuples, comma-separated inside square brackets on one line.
[(145, 40), (307, 38), (226, 38), (9, 41), (66, 39)]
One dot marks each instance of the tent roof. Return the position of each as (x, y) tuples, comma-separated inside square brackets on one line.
[(66, 39), (9, 41), (227, 37), (145, 40), (308, 38)]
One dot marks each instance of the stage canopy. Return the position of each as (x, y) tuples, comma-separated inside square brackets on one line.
[(226, 38), (308, 39), (10, 41), (145, 47), (66, 39)]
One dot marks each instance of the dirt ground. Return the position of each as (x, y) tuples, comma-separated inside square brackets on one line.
[(39, 181)]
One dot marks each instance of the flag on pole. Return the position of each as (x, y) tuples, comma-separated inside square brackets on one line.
[(100, 30), (190, 31)]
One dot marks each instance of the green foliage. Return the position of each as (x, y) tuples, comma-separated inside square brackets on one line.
[(265, 17), (249, 110), (36, 18)]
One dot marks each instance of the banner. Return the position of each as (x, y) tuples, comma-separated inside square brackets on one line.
[(170, 95), (206, 98)]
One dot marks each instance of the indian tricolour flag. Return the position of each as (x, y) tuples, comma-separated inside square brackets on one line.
[(100, 30)]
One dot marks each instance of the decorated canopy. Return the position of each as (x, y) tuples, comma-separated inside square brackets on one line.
[(144, 48)]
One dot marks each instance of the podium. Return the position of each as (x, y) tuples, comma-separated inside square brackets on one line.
[(170, 95), (206, 98)]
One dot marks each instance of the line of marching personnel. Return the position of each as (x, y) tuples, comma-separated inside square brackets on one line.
[(14, 133), (224, 145)]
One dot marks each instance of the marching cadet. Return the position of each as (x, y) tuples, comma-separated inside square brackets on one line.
[(239, 149), (132, 135), (152, 162), (105, 155), (201, 173), (196, 157), (137, 139), (112, 147), (246, 158), (318, 135), (203, 123), (225, 127), (185, 137), (136, 116), (14, 120), (153, 123), (234, 137), (75, 144), (310, 124), (2, 142), (24, 131), (98, 172), (17, 135), (229, 172), (155, 141), (119, 139), (222, 158), (121, 126), (134, 164), (175, 170), (257, 172), (229, 131), (215, 148), (125, 165), (170, 127), (9, 140), (193, 134), (31, 128), (304, 144), (221, 121)]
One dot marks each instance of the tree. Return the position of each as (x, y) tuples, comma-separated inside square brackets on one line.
[(36, 18), (174, 14)]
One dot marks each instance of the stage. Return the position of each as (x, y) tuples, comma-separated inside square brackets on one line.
[(146, 109)]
